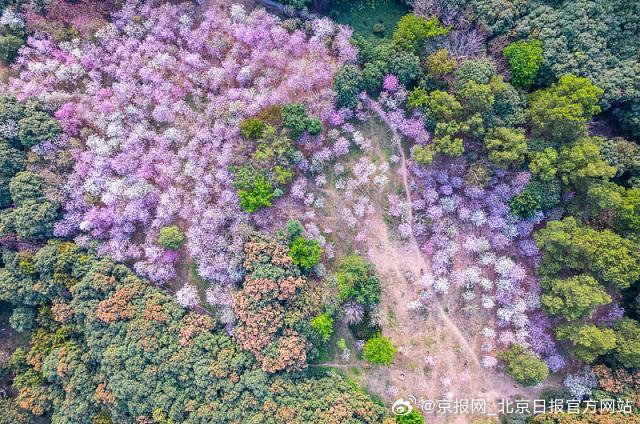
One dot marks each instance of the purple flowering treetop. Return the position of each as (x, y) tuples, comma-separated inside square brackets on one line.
[(153, 103)]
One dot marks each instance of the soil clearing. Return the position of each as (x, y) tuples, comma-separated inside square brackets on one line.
[(438, 349)]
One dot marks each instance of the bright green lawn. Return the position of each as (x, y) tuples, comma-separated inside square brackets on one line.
[(362, 15)]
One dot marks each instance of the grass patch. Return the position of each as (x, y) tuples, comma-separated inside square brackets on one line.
[(362, 15), (201, 284)]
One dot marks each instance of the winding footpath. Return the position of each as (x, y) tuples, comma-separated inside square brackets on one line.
[(397, 138)]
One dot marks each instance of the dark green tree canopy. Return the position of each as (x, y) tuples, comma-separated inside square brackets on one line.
[(524, 367), (573, 298), (37, 127), (567, 247), (26, 187), (134, 349), (357, 280)]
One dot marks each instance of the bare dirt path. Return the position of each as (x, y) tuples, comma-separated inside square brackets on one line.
[(437, 358), (413, 245)]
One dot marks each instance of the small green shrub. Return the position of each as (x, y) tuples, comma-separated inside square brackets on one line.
[(413, 417), (524, 58), (252, 128), (304, 252), (379, 350), (171, 238), (323, 325), (524, 367)]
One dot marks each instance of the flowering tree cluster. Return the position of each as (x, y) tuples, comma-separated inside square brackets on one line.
[(458, 221), (150, 109), (272, 307)]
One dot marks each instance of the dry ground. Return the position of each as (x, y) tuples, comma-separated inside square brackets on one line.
[(443, 333)]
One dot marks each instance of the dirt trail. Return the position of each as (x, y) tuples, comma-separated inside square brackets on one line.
[(412, 243), (436, 358), (404, 172)]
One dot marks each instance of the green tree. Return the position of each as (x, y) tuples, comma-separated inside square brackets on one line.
[(478, 175), (581, 164), (508, 106), (587, 341), (525, 204), (12, 413), (478, 70), (524, 367), (618, 206), (413, 417), (347, 84), (284, 175), (271, 146), (323, 325), (25, 187), (357, 280), (627, 213), (11, 109), (258, 196), (254, 190), (621, 153), (549, 192), (37, 127), (252, 128), (314, 126), (418, 98), (628, 347), (422, 155), (524, 58), (372, 76), (573, 298), (444, 106), (171, 237), (12, 161), (544, 164), (406, 66), (294, 229), (476, 98), (9, 46), (23, 319), (506, 146), (304, 252), (412, 31), (439, 64), (34, 220), (294, 117), (567, 246), (379, 350), (448, 140), (561, 112)]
